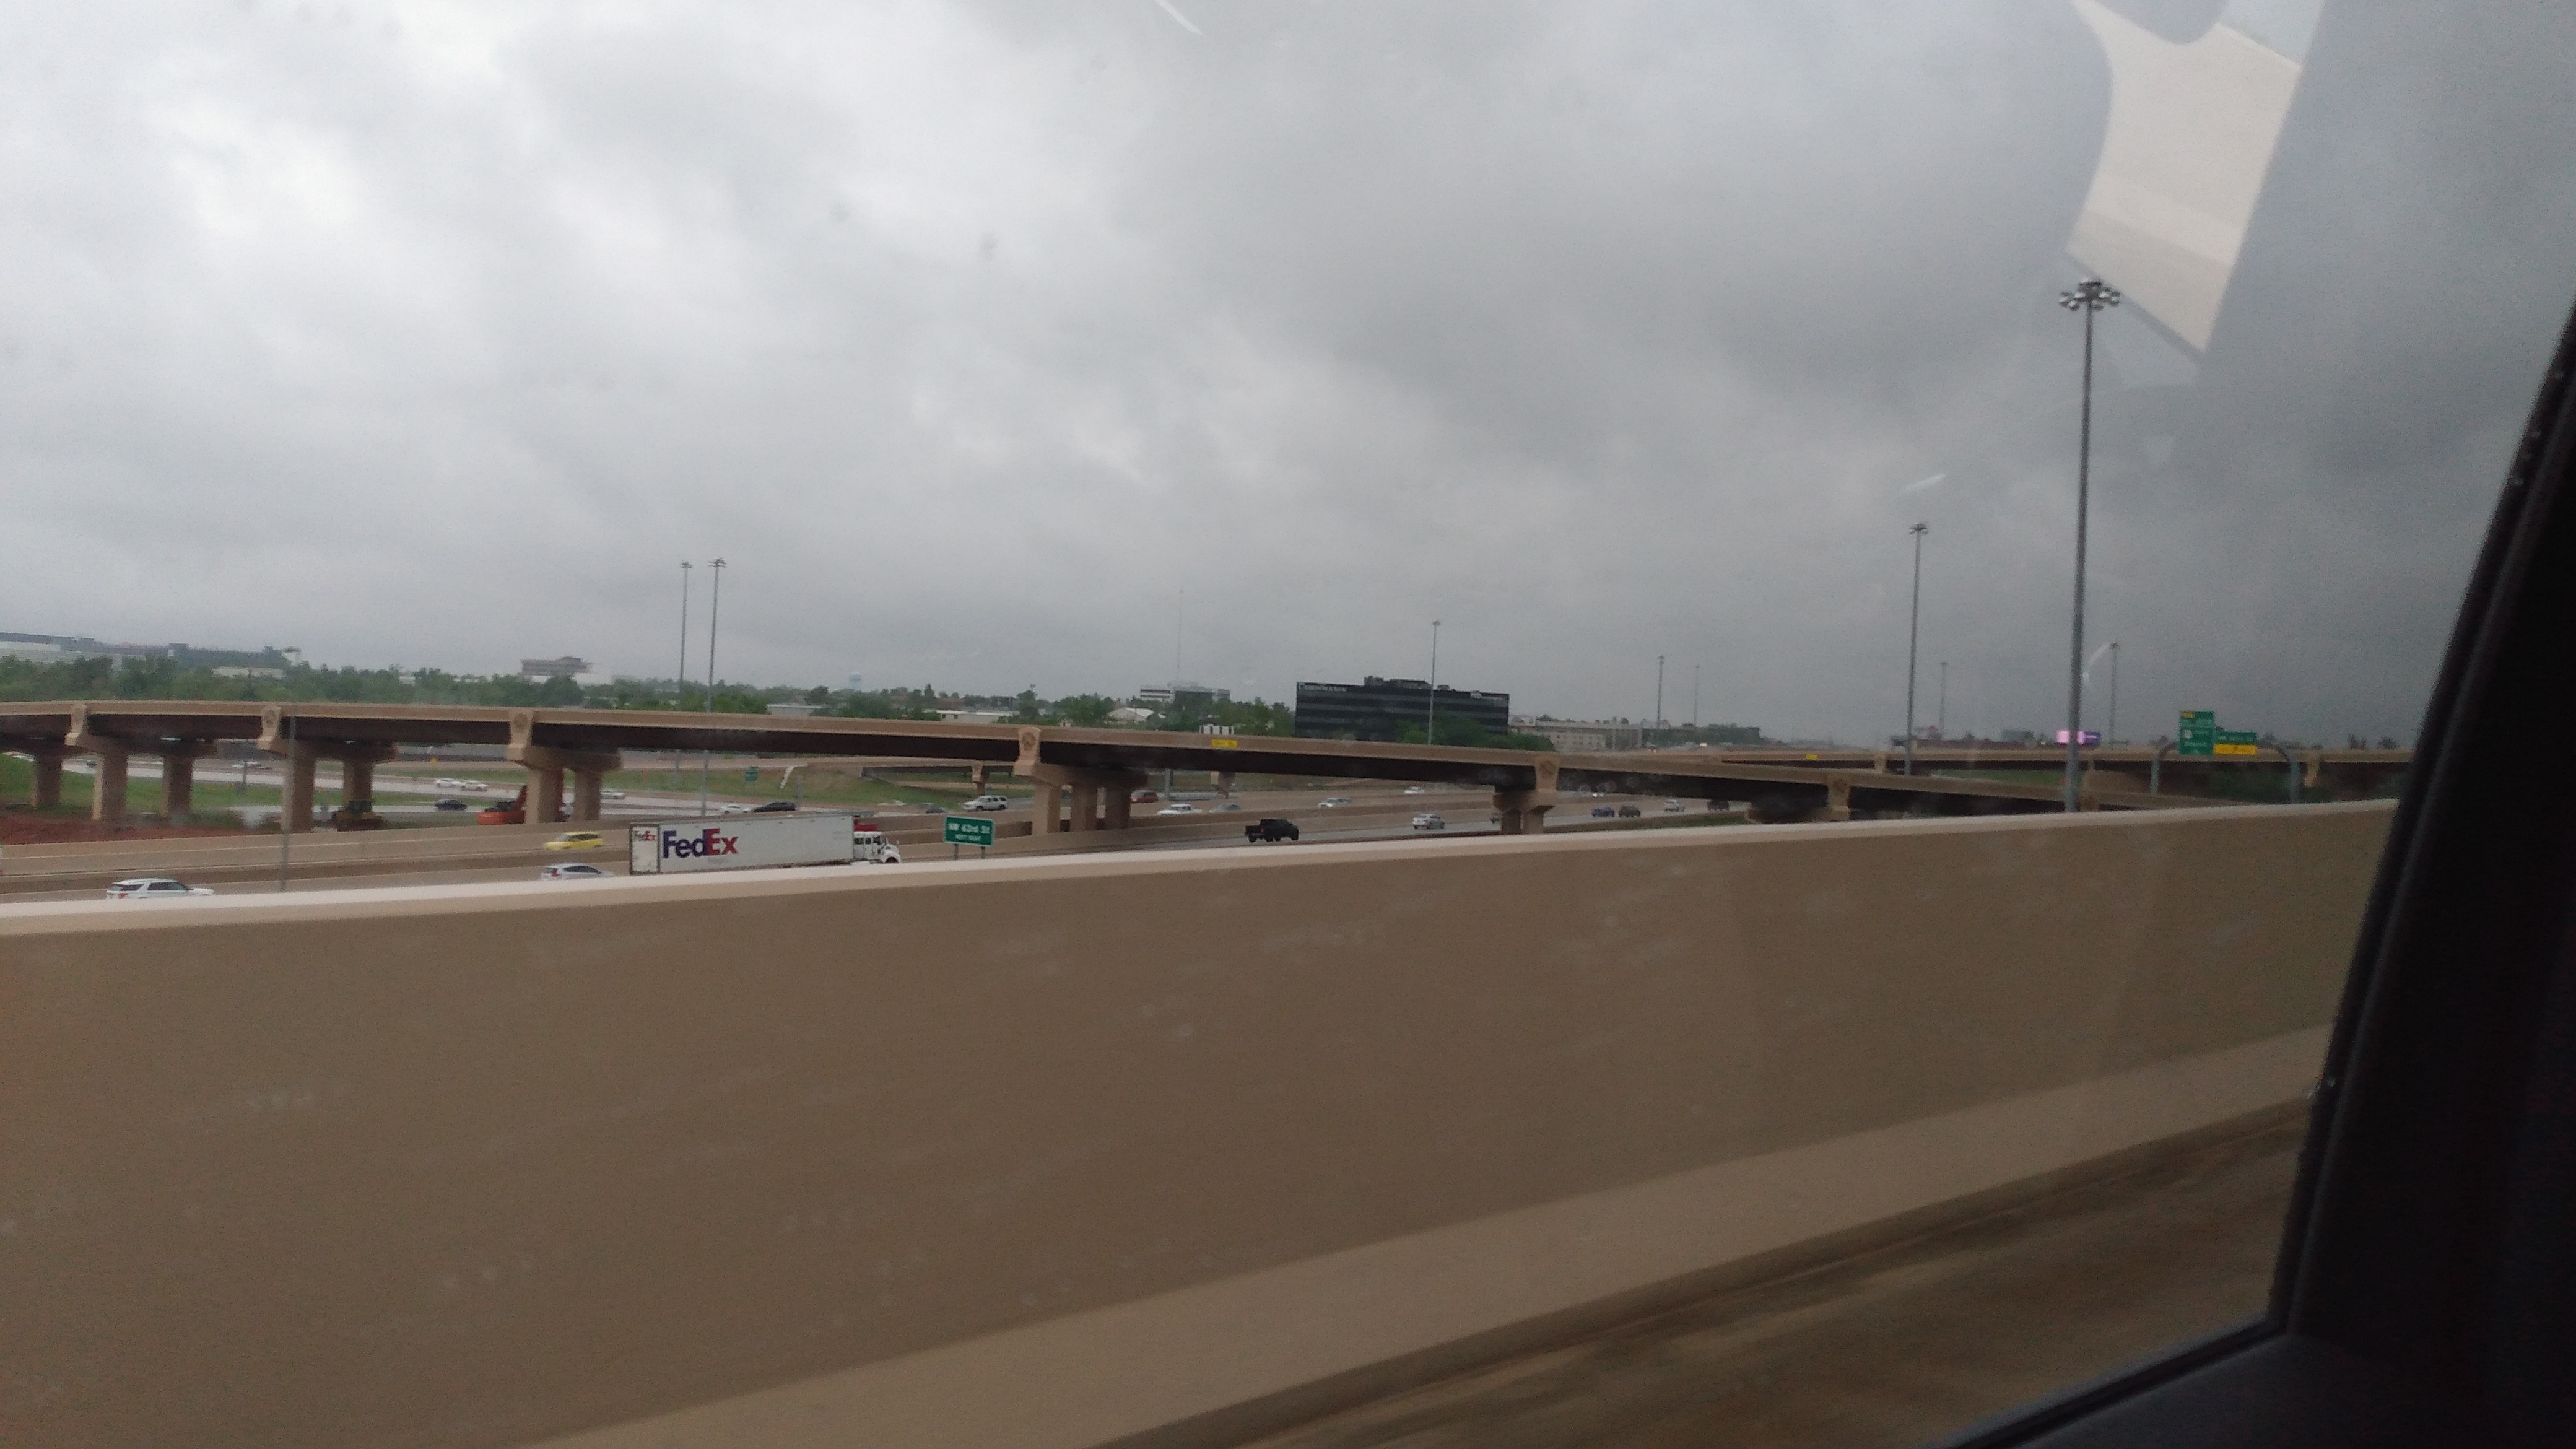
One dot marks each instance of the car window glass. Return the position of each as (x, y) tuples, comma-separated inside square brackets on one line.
[(1615, 723)]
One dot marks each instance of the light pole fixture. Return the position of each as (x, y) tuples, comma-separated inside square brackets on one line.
[(1659, 691), (1913, 636), (2089, 297), (1941, 715), (1431, 695)]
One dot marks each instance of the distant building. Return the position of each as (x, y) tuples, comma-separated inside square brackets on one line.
[(1130, 715), (1183, 692), (1589, 737), (795, 711), (567, 667), (973, 716), (1379, 709), (62, 648)]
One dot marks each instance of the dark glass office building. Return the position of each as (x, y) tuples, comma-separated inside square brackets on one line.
[(1376, 709)]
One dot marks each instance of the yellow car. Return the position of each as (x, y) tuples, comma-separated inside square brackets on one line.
[(577, 840)]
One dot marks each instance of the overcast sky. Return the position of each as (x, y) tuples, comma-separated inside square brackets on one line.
[(972, 335)]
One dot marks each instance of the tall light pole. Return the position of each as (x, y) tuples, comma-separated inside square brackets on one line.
[(681, 701), (1694, 699), (2089, 297), (1913, 636), (715, 607), (1659, 691), (2111, 726), (1941, 720), (683, 676), (1431, 696)]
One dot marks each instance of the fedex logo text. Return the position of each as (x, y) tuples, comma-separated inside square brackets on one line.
[(710, 841)]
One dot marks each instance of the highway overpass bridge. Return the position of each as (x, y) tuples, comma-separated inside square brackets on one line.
[(1082, 777)]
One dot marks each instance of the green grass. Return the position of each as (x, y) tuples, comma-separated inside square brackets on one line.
[(218, 791)]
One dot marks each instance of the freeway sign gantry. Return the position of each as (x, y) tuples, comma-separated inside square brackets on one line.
[(2198, 734)]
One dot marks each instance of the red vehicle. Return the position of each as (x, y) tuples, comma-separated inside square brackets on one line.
[(513, 813), (1142, 797)]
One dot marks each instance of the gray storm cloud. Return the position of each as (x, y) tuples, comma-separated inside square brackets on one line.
[(972, 335)]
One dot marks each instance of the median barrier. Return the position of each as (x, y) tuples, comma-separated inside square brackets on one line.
[(1071, 1151)]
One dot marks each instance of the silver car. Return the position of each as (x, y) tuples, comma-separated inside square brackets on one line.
[(154, 888)]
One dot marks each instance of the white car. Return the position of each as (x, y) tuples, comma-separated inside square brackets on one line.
[(1672, 807), (988, 802), (612, 794), (477, 786), (733, 810), (1336, 802), (577, 871), (154, 888), (1183, 808), (1417, 789), (1428, 821)]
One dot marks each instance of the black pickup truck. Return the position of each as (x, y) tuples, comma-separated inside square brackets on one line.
[(1270, 828)]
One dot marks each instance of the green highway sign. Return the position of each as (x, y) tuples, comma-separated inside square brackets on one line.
[(751, 774), (966, 830), (2199, 732), (2238, 742)]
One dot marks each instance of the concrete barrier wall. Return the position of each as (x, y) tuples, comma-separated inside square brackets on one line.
[(1068, 1151)]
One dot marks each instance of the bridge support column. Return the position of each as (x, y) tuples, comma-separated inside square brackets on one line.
[(357, 784), (547, 765), (1047, 803), (1524, 812), (179, 777), (1099, 796), (295, 799), (1837, 797), (46, 792), (545, 794), (107, 787)]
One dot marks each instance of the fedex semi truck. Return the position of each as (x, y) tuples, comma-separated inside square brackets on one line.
[(741, 842)]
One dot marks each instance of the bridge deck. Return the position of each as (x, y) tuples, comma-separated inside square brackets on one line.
[(1797, 780)]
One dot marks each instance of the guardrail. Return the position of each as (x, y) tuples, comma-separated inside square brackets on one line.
[(1060, 1151)]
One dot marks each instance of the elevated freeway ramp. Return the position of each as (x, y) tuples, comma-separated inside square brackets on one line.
[(1082, 778)]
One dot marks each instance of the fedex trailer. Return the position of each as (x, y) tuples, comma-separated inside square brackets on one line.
[(740, 842)]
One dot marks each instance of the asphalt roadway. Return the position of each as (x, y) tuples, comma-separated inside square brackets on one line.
[(463, 855)]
